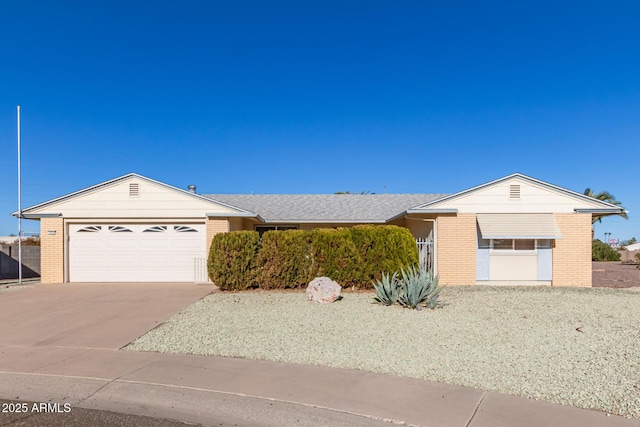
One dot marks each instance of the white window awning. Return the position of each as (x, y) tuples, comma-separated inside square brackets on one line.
[(518, 226)]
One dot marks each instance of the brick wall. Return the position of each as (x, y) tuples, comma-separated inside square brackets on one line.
[(572, 253), (52, 250), (456, 249), (215, 226)]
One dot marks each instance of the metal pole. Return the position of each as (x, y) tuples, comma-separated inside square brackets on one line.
[(19, 209)]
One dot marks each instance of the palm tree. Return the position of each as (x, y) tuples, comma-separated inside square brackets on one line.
[(604, 196)]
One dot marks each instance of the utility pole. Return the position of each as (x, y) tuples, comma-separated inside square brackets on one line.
[(19, 209)]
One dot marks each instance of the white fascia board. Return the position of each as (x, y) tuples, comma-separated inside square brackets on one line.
[(431, 211), (606, 211), (245, 214), (38, 216), (325, 221)]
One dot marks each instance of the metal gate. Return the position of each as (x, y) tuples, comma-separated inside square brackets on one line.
[(425, 252)]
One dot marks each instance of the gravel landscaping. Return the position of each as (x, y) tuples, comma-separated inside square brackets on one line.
[(578, 347)]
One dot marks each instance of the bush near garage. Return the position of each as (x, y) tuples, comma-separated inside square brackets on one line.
[(284, 260), (383, 248), (352, 256), (232, 260), (600, 251)]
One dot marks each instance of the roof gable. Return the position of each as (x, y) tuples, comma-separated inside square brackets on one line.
[(519, 193), (130, 196)]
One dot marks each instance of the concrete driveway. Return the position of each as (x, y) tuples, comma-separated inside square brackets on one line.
[(90, 315)]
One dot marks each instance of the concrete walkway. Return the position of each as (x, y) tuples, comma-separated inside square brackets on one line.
[(53, 350)]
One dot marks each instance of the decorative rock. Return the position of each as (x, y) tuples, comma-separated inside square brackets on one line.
[(323, 290)]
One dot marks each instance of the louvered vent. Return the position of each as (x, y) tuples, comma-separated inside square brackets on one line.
[(134, 190), (514, 191)]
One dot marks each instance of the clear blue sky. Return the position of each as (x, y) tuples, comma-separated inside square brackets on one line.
[(321, 96)]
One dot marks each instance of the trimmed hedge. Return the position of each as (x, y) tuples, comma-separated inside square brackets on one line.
[(284, 259), (383, 248), (232, 260), (290, 259), (334, 255)]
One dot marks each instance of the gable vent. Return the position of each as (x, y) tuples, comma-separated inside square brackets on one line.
[(134, 190), (514, 191)]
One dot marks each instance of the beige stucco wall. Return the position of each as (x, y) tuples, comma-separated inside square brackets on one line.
[(456, 249), (236, 224), (572, 253), (52, 250)]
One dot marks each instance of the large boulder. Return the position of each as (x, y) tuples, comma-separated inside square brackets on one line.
[(324, 290)]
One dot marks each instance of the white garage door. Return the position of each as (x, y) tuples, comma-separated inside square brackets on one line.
[(135, 252)]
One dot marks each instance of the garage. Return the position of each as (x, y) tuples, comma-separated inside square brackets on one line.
[(151, 252)]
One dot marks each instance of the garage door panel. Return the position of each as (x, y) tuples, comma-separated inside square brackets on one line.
[(124, 245), (108, 255)]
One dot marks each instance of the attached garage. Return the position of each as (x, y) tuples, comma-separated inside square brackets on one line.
[(152, 252), (129, 229)]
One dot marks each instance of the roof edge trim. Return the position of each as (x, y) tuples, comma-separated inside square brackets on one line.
[(417, 210), (320, 221), (38, 216)]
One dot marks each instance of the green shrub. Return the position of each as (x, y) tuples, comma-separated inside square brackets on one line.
[(600, 251), (383, 248), (232, 259), (290, 259), (284, 260), (334, 255)]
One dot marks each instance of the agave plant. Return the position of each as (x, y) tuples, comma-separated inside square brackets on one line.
[(418, 286), (386, 289)]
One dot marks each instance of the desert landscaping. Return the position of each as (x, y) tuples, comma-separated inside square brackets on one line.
[(573, 346)]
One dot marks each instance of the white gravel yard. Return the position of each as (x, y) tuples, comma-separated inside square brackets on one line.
[(578, 347)]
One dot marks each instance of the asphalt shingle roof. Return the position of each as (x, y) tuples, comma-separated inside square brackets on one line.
[(325, 207)]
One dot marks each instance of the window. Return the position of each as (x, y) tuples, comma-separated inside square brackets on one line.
[(90, 229), (184, 229), (156, 229), (503, 244), (525, 244), (119, 229), (544, 244), (516, 244)]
